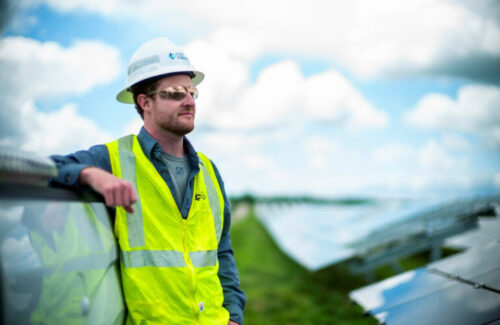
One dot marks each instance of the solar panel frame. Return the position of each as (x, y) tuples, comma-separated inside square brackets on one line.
[(472, 263), (455, 304)]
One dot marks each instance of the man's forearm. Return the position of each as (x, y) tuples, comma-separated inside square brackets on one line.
[(116, 191), (70, 166)]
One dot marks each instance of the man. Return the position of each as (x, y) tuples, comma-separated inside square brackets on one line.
[(172, 214)]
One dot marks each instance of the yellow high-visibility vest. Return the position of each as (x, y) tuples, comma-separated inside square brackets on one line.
[(168, 264)]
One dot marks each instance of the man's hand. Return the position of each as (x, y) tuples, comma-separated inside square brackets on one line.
[(232, 323), (116, 191)]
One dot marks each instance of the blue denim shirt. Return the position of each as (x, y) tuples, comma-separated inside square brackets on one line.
[(69, 168)]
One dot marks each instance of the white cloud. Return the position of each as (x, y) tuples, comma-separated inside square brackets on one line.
[(319, 143), (134, 126), (432, 112), (455, 142), (319, 164), (317, 161), (230, 142), (61, 131), (329, 96), (261, 162), (269, 101), (318, 150), (394, 153), (257, 162), (371, 39), (32, 70), (433, 157), (243, 45), (226, 74), (475, 111), (280, 94), (431, 168)]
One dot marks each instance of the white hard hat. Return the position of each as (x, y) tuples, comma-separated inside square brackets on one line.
[(156, 58)]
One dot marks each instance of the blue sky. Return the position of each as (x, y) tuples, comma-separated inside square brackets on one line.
[(323, 98)]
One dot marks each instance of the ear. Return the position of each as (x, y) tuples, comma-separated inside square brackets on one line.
[(144, 102)]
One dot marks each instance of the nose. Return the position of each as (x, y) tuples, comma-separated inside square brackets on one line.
[(189, 100)]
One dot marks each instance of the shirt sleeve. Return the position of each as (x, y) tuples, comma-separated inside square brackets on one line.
[(70, 166), (234, 297)]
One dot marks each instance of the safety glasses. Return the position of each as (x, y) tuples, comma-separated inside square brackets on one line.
[(176, 92)]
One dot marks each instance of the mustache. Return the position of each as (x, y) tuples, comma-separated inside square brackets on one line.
[(187, 109)]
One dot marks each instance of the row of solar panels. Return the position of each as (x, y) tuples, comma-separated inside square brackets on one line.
[(320, 235), (461, 289)]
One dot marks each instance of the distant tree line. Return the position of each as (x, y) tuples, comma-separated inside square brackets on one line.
[(299, 199)]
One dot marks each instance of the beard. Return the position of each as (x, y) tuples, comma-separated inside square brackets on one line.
[(180, 130), (178, 125)]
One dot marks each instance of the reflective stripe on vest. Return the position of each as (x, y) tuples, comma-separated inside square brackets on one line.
[(213, 198), (144, 258), (134, 219), (203, 258)]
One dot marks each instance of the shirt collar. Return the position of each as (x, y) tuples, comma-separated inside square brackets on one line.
[(152, 148)]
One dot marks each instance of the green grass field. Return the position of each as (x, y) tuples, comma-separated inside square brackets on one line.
[(279, 291)]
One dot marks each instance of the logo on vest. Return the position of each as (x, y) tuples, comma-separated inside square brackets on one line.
[(200, 196), (202, 306)]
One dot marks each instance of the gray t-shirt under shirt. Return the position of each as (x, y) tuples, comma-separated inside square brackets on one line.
[(178, 167)]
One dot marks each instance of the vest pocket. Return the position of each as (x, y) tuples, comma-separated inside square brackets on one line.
[(146, 313), (218, 299), (217, 314)]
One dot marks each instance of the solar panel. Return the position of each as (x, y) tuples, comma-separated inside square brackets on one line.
[(488, 231), (423, 297), (320, 235), (455, 304), (473, 263), (461, 289), (398, 290)]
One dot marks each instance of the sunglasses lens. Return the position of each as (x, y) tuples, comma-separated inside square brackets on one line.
[(177, 93), (172, 94), (193, 92)]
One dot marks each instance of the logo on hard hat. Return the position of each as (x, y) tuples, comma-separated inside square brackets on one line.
[(177, 55)]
